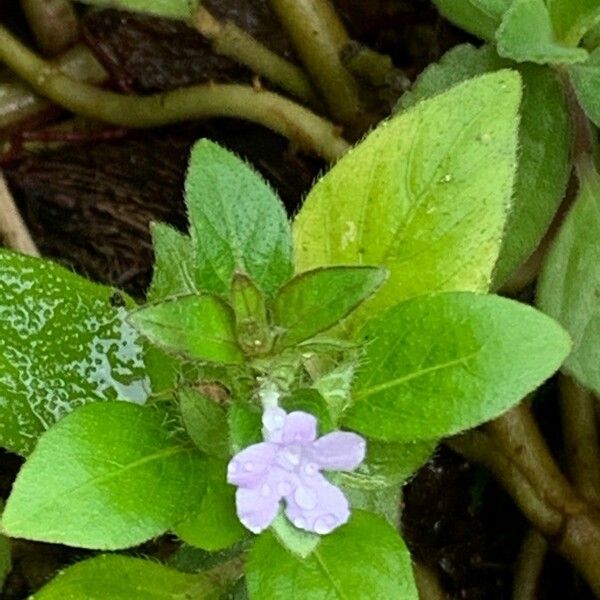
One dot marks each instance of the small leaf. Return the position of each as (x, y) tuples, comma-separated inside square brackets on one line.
[(173, 264), (527, 35), (245, 426), (200, 326), (317, 300), (172, 9), (480, 17), (425, 195), (108, 476), (572, 19), (237, 222), (544, 145), (310, 400), (586, 82), (385, 502), (115, 577), (298, 542), (364, 559), (205, 422), (569, 286), (65, 342), (251, 320), (214, 524), (439, 364)]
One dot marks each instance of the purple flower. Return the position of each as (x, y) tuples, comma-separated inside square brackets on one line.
[(288, 465)]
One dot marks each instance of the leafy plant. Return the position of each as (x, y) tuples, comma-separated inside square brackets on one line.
[(378, 322)]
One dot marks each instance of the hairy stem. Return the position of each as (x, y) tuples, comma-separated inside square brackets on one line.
[(13, 231), (319, 37), (515, 452), (530, 563), (230, 40), (581, 438), (53, 22), (305, 129)]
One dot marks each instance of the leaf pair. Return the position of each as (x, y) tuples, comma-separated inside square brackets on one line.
[(206, 328), (528, 30)]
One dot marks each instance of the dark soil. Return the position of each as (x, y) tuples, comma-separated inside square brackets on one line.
[(89, 206)]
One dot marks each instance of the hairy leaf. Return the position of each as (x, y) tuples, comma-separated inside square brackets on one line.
[(64, 342), (205, 422), (440, 364), (364, 559), (569, 286), (107, 476), (115, 577), (317, 300), (586, 81), (173, 264), (237, 222), (213, 524), (426, 195), (199, 326), (480, 17), (527, 34), (544, 145), (572, 19)]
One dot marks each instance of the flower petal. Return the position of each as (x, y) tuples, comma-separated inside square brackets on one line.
[(256, 508), (299, 427), (317, 505), (273, 421), (340, 451), (249, 467)]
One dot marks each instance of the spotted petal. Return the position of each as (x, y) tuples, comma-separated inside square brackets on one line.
[(340, 451), (249, 467), (257, 507), (300, 427), (316, 505)]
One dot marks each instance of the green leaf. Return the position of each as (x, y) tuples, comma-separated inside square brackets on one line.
[(439, 364), (65, 343), (115, 577), (569, 285), (385, 502), (527, 35), (205, 422), (199, 326), (245, 426), (237, 222), (544, 144), (388, 464), (173, 9), (572, 19), (586, 82), (480, 17), (298, 542), (426, 195), (107, 476), (317, 300), (364, 559), (214, 524), (173, 264)]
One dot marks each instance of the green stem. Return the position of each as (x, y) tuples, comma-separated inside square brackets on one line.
[(514, 450), (581, 438), (428, 583), (230, 40), (305, 129), (53, 22), (530, 563), (319, 38)]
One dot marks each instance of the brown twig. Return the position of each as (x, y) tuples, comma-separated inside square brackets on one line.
[(54, 24), (13, 230), (428, 583), (529, 565)]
